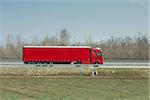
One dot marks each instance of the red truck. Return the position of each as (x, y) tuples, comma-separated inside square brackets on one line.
[(62, 55)]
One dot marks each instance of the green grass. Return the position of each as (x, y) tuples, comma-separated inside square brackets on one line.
[(47, 83), (72, 88)]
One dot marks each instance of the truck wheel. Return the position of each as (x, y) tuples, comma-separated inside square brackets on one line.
[(96, 64), (79, 62)]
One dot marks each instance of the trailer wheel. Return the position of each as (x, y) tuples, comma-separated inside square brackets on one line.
[(51, 63), (73, 62), (26, 62)]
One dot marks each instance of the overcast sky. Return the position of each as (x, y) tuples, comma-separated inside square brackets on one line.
[(98, 18)]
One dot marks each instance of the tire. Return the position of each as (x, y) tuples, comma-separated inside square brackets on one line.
[(26, 62), (96, 64)]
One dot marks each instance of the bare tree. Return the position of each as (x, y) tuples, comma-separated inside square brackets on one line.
[(50, 41), (10, 50), (35, 41), (2, 52), (89, 41), (19, 46), (142, 45), (64, 37)]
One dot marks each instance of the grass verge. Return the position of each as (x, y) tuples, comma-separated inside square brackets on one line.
[(72, 88), (77, 71)]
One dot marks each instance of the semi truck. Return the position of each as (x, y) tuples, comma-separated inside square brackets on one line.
[(62, 55)]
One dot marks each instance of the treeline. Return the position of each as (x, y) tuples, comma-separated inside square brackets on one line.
[(126, 48), (136, 47)]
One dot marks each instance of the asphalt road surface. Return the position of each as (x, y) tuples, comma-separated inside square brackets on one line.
[(116, 63)]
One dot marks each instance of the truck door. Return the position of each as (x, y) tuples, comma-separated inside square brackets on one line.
[(93, 56), (97, 56)]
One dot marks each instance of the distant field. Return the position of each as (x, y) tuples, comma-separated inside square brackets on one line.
[(72, 88)]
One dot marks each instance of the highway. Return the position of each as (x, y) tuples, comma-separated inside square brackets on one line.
[(127, 63), (107, 64)]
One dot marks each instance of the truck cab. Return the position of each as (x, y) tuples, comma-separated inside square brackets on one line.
[(97, 56)]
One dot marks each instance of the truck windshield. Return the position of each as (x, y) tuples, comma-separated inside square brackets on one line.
[(100, 54)]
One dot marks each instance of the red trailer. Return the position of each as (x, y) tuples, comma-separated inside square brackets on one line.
[(62, 54)]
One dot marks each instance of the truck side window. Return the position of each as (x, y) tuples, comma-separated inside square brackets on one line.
[(94, 50), (100, 54)]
